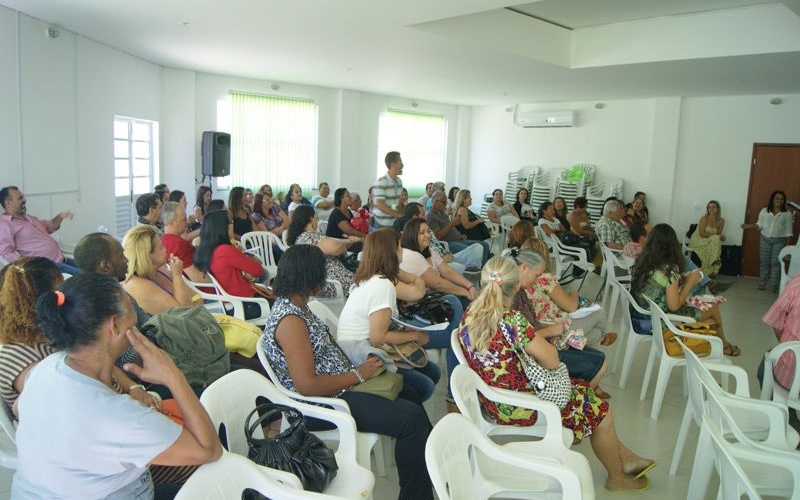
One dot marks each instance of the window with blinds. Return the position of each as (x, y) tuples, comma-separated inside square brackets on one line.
[(421, 139), (273, 141)]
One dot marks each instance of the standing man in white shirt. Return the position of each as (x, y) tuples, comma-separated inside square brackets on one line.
[(386, 192)]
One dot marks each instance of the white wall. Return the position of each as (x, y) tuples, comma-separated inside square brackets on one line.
[(680, 151), (61, 96)]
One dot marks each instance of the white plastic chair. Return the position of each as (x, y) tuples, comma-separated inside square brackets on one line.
[(262, 244), (666, 362), (793, 252), (466, 385), (770, 389), (228, 477), (613, 260), (222, 302), (465, 465), (563, 257), (630, 337), (768, 423), (367, 442), (8, 441), (773, 469), (324, 313), (338, 299), (733, 480), (232, 397)]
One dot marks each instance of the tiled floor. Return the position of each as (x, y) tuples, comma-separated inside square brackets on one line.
[(742, 318)]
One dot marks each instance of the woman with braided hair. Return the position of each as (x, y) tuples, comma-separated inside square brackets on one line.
[(483, 334)]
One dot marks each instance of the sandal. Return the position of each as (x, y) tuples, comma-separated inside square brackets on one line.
[(731, 350), (645, 485), (644, 470), (609, 339)]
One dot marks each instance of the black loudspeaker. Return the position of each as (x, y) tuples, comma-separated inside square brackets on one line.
[(216, 154)]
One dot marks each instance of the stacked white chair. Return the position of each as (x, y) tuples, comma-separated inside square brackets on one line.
[(541, 189), (465, 465), (229, 400)]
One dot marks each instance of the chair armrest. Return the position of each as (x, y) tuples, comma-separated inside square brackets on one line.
[(549, 410), (776, 414)]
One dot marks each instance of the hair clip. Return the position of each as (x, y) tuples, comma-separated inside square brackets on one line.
[(495, 276), (18, 268), (59, 297)]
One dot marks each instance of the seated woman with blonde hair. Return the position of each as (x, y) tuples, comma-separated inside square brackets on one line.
[(155, 285), (707, 240), (546, 305), (483, 333)]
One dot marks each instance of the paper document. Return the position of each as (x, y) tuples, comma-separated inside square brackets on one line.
[(437, 326), (584, 311)]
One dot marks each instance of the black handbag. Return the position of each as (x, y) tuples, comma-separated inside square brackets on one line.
[(294, 450), (350, 261), (431, 308)]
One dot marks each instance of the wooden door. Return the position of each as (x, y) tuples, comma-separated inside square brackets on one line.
[(774, 167)]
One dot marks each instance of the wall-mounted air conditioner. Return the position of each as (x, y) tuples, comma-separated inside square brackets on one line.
[(529, 118)]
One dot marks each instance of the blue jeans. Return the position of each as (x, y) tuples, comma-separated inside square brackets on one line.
[(423, 379), (472, 256), (768, 250), (458, 245), (440, 339)]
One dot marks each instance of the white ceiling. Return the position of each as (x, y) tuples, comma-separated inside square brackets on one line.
[(473, 52)]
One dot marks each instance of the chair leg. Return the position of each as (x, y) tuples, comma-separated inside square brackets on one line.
[(651, 361), (380, 460), (664, 371), (682, 433), (702, 467), (630, 351)]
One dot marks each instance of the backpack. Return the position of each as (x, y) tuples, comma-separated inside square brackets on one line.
[(194, 341)]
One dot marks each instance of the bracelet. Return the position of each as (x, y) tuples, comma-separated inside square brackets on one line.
[(358, 374), (136, 386)]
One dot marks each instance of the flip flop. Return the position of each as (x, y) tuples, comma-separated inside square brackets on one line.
[(643, 488), (609, 338), (644, 470), (731, 350)]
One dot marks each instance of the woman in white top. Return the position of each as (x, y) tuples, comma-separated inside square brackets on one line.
[(368, 313), (101, 442), (548, 221), (498, 208), (420, 260), (775, 227)]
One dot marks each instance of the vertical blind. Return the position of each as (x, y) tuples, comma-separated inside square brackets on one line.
[(273, 140), (421, 139)]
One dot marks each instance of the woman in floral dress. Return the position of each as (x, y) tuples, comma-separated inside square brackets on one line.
[(490, 355)]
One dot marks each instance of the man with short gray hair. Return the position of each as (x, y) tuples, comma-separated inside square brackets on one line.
[(610, 231), (175, 241)]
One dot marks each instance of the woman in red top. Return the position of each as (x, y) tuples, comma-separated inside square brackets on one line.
[(216, 255)]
